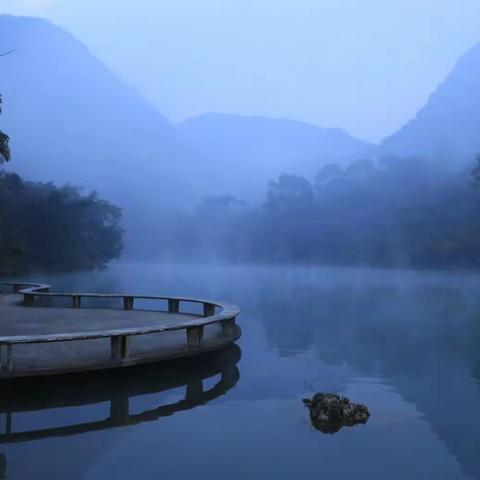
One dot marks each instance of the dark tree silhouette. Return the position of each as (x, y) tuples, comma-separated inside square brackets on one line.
[(4, 148), (394, 212)]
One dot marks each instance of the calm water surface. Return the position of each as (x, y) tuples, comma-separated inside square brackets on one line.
[(404, 343)]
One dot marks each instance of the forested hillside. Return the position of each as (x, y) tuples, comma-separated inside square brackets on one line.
[(46, 227), (406, 213)]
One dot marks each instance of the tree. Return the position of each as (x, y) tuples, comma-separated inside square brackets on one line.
[(45, 227), (328, 173), (289, 193), (4, 139), (476, 170)]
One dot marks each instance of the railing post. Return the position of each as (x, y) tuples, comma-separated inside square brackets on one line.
[(6, 356), (208, 309), (194, 390), (119, 409), (228, 327), (8, 424), (128, 303), (119, 347), (76, 303), (173, 305), (28, 299), (229, 375), (195, 336)]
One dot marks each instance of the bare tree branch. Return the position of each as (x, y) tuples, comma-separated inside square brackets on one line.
[(7, 53)]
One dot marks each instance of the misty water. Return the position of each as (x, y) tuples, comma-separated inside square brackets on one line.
[(405, 343)]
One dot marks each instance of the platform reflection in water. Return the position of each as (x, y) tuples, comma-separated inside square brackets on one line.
[(119, 388)]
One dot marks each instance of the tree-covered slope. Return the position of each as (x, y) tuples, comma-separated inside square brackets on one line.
[(44, 227)]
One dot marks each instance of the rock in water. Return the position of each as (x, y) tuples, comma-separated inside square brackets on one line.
[(329, 412)]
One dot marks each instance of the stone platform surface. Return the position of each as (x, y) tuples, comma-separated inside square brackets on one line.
[(92, 354)]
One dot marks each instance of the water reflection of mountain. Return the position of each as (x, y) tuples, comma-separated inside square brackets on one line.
[(423, 338), (121, 393)]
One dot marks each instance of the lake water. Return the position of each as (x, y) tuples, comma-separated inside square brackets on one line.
[(407, 344)]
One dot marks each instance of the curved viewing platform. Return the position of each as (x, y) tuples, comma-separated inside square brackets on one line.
[(45, 333)]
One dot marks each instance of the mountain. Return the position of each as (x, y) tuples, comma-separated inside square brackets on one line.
[(71, 119), (243, 153), (448, 126)]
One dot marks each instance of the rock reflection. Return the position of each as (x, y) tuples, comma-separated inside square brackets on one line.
[(118, 387)]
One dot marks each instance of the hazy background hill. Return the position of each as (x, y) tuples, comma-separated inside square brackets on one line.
[(247, 152), (237, 185), (447, 128), (73, 120)]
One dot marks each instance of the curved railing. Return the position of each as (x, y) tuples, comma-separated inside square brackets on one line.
[(213, 312)]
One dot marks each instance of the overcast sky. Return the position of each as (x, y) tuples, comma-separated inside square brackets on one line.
[(364, 65)]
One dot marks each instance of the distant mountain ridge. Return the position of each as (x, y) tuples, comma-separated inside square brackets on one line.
[(447, 128), (248, 151), (73, 120)]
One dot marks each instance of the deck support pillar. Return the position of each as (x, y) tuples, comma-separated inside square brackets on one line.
[(8, 424), (173, 305), (229, 375), (194, 390), (119, 347), (228, 327), (195, 336), (128, 303), (76, 301), (6, 356), (119, 409), (208, 310), (28, 299)]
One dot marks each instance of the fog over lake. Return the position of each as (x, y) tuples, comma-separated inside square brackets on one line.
[(403, 342)]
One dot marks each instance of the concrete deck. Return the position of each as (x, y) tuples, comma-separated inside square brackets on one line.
[(91, 354)]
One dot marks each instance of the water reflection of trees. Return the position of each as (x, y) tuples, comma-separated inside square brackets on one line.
[(400, 327), (423, 338)]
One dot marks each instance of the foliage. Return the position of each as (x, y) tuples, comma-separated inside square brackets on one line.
[(4, 148), (396, 212), (47, 227)]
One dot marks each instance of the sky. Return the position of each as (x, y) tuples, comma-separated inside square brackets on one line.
[(366, 66)]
